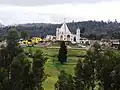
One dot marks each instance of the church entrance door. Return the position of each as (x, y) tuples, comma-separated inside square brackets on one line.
[(68, 37), (61, 37)]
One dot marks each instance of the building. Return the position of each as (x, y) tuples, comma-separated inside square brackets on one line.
[(64, 34), (50, 38), (84, 41), (114, 43)]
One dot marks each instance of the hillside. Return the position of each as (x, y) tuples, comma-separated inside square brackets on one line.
[(90, 29)]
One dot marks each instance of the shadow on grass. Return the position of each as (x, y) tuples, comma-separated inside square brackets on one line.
[(59, 66)]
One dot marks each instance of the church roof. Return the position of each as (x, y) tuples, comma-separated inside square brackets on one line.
[(64, 28)]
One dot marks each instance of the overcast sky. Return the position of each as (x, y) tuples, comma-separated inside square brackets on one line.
[(54, 11)]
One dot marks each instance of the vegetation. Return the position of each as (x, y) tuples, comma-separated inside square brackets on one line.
[(38, 74), (24, 35), (38, 68), (53, 69), (96, 69), (92, 29), (18, 71), (62, 56), (65, 82)]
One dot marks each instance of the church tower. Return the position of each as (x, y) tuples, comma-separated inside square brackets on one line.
[(78, 35), (57, 34)]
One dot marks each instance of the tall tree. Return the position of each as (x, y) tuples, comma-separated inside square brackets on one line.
[(70, 82), (62, 56), (85, 71), (65, 82), (12, 38), (115, 78), (79, 76), (20, 72), (106, 66), (7, 54), (38, 74), (12, 45)]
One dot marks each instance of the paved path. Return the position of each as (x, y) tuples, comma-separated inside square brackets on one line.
[(69, 48), (47, 45)]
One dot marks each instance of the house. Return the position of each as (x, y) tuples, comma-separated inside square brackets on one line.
[(115, 43), (50, 38), (84, 41)]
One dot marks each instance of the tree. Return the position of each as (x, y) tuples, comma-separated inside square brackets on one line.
[(115, 78), (83, 30), (79, 76), (92, 36), (12, 38), (20, 72), (65, 82), (24, 34), (70, 82), (4, 82), (6, 57), (12, 48), (12, 42), (107, 65), (38, 75), (98, 66), (62, 56), (85, 71)]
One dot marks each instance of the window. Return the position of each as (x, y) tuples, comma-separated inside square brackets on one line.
[(24, 42), (29, 40)]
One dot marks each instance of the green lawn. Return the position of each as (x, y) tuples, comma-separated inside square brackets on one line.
[(53, 68)]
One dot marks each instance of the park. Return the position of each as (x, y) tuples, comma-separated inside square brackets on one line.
[(53, 68), (58, 65)]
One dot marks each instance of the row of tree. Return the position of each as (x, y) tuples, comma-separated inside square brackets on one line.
[(19, 34), (100, 70), (19, 70)]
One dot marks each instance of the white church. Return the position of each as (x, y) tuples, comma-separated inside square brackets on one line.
[(64, 34)]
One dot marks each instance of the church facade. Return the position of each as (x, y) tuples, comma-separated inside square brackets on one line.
[(64, 34)]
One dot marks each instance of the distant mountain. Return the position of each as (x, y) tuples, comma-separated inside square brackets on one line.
[(34, 24), (90, 29)]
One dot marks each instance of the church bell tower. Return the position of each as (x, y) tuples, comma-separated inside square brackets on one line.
[(78, 35)]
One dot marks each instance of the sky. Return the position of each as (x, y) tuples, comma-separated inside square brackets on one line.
[(54, 11)]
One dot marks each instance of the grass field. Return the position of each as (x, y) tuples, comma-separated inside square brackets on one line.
[(53, 68)]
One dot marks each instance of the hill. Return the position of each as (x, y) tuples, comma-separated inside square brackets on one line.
[(90, 29)]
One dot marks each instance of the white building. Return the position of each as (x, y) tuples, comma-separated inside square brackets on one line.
[(64, 34), (50, 37), (84, 41)]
